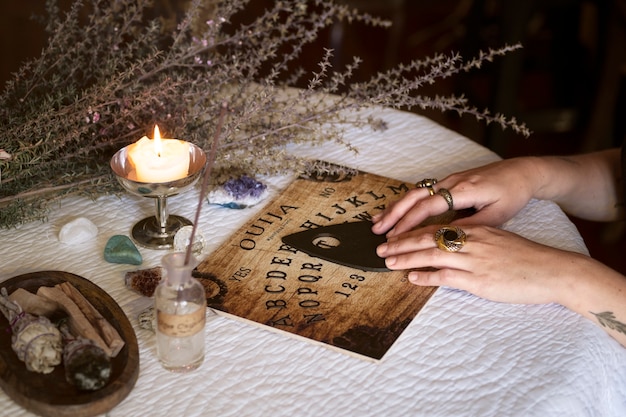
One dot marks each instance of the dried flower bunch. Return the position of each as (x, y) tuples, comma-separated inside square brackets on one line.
[(109, 73)]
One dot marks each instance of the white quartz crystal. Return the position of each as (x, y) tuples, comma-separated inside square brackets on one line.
[(77, 231), (182, 239)]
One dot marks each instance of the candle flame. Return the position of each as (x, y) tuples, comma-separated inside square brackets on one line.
[(158, 147)]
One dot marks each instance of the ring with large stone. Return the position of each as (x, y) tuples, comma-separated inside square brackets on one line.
[(450, 238), (447, 196), (428, 184)]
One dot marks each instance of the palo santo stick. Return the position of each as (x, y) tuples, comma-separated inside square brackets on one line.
[(78, 322), (32, 303), (110, 336)]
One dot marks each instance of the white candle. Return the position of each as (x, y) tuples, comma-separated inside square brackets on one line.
[(159, 160)]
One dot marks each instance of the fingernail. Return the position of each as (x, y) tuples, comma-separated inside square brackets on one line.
[(381, 249), (391, 261)]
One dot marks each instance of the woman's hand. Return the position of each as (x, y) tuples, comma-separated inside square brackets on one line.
[(493, 264), (497, 191), (585, 186), (504, 267)]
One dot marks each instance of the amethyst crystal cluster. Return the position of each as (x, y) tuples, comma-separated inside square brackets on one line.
[(238, 193)]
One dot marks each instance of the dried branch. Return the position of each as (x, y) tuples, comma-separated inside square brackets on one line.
[(65, 113)]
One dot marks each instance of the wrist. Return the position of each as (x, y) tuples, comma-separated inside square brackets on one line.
[(571, 282), (552, 177), (585, 284), (536, 175)]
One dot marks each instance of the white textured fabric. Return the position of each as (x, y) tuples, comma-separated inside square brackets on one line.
[(462, 355)]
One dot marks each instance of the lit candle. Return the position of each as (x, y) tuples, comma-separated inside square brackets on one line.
[(159, 160)]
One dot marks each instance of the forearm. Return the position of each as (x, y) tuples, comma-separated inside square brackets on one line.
[(596, 292), (587, 186)]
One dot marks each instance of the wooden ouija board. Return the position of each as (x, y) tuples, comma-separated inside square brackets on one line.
[(255, 276)]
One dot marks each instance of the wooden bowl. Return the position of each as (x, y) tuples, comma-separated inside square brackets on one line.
[(50, 394)]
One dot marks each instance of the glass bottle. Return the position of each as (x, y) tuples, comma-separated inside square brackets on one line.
[(180, 308)]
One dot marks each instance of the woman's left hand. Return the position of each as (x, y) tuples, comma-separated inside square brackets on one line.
[(493, 264)]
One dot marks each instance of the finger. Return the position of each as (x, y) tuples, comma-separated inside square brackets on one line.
[(418, 248), (426, 258), (445, 277), (462, 197), (383, 222), (412, 241), (425, 208)]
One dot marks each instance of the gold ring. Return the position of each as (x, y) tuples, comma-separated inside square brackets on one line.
[(450, 238), (447, 196), (427, 183)]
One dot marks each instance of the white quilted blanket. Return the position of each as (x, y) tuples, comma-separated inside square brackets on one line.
[(462, 356)]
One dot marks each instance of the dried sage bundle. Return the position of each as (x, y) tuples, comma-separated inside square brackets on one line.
[(36, 341)]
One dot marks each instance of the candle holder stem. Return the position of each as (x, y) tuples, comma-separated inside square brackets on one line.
[(161, 213), (157, 232)]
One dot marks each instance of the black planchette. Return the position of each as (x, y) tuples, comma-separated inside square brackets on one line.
[(349, 244)]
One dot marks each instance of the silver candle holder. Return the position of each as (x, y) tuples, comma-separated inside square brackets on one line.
[(157, 232)]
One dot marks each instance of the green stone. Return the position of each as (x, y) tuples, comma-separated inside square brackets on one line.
[(121, 250)]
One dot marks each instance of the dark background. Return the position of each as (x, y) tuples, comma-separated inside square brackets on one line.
[(568, 83)]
